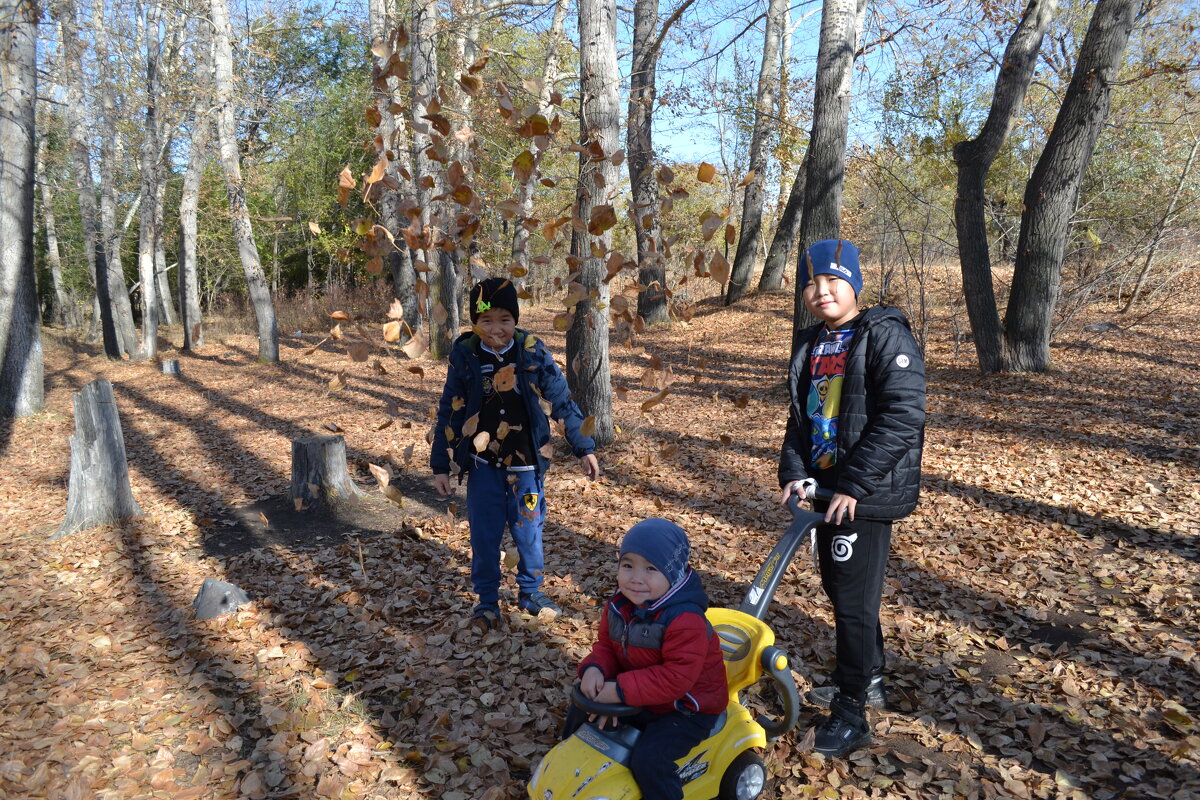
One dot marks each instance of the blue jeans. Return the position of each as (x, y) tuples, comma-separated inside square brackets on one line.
[(497, 498)]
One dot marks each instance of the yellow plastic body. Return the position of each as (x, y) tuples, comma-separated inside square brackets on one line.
[(586, 765)]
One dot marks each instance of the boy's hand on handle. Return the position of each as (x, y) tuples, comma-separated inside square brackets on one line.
[(606, 694), (842, 505), (441, 481), (591, 683), (798, 488), (590, 467)]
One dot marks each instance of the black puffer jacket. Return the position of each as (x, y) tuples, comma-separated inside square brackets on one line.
[(881, 419)]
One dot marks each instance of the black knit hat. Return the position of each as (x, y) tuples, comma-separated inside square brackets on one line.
[(662, 543), (494, 293)]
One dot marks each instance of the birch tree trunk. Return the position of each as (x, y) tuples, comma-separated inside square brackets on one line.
[(1053, 189), (148, 168), (785, 234), (64, 13), (243, 233), (21, 369), (423, 61), (64, 311), (110, 108), (550, 70), (752, 201), (588, 371), (974, 159), (392, 143), (189, 200), (166, 302)]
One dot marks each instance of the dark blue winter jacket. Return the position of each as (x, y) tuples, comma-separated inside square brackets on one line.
[(462, 398)]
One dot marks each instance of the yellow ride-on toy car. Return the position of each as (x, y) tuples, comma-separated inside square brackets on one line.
[(592, 764)]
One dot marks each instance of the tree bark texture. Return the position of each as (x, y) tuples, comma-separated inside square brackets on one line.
[(554, 39), (65, 312), (148, 169), (424, 84), (256, 284), (166, 301), (786, 230), (826, 159), (188, 278), (320, 478), (588, 371), (752, 200), (639, 149), (21, 368), (1053, 189), (392, 143), (974, 159), (98, 490), (111, 154), (64, 13)]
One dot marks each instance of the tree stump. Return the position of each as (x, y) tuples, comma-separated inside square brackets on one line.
[(98, 491), (320, 479)]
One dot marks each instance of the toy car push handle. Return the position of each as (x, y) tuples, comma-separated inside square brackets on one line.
[(601, 709), (775, 664), (758, 596)]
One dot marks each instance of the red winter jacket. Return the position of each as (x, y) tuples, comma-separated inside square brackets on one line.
[(664, 656)]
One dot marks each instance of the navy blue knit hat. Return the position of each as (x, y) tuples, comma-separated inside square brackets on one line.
[(662, 543), (494, 293), (836, 257)]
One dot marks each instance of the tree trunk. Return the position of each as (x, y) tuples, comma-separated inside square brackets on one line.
[(64, 312), (148, 169), (98, 490), (785, 234), (189, 201), (111, 155), (1053, 189), (21, 369), (166, 302), (554, 40), (639, 149), (64, 13), (1160, 229), (826, 158), (974, 159), (320, 479), (752, 201), (392, 143), (260, 297), (588, 371)]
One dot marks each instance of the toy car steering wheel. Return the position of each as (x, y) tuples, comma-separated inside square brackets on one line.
[(601, 709)]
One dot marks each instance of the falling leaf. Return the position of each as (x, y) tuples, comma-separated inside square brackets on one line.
[(341, 316), (387, 423), (315, 228), (746, 181), (706, 172), (337, 382), (359, 352), (470, 426), (263, 519), (383, 475), (505, 379), (603, 218), (719, 268), (588, 428), (336, 332), (481, 441), (331, 426), (655, 400)]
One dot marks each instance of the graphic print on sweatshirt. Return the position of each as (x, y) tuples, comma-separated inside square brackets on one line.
[(827, 364)]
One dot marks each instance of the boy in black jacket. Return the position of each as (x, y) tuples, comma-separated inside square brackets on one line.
[(856, 427)]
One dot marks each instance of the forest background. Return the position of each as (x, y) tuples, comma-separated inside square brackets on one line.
[(291, 201)]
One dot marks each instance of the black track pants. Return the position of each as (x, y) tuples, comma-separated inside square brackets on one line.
[(853, 557)]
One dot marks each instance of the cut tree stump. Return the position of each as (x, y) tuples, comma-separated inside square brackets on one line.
[(98, 491), (320, 479)]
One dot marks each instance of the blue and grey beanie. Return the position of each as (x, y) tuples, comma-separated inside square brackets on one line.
[(662, 543), (836, 257)]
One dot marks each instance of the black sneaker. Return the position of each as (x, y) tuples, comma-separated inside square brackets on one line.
[(844, 730), (486, 617), (876, 694), (536, 603)]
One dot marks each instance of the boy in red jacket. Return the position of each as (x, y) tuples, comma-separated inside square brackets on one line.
[(657, 650)]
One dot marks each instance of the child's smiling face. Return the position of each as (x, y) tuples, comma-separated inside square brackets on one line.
[(639, 580), (831, 300), (497, 326)]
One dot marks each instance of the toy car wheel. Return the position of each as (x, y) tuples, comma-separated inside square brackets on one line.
[(746, 778)]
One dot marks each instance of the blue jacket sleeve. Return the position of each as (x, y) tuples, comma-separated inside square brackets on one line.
[(440, 452), (552, 386)]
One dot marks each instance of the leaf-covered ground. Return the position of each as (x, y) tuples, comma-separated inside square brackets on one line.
[(1040, 604)]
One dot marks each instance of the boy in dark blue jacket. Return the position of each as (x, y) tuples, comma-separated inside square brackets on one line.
[(856, 427), (490, 426)]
